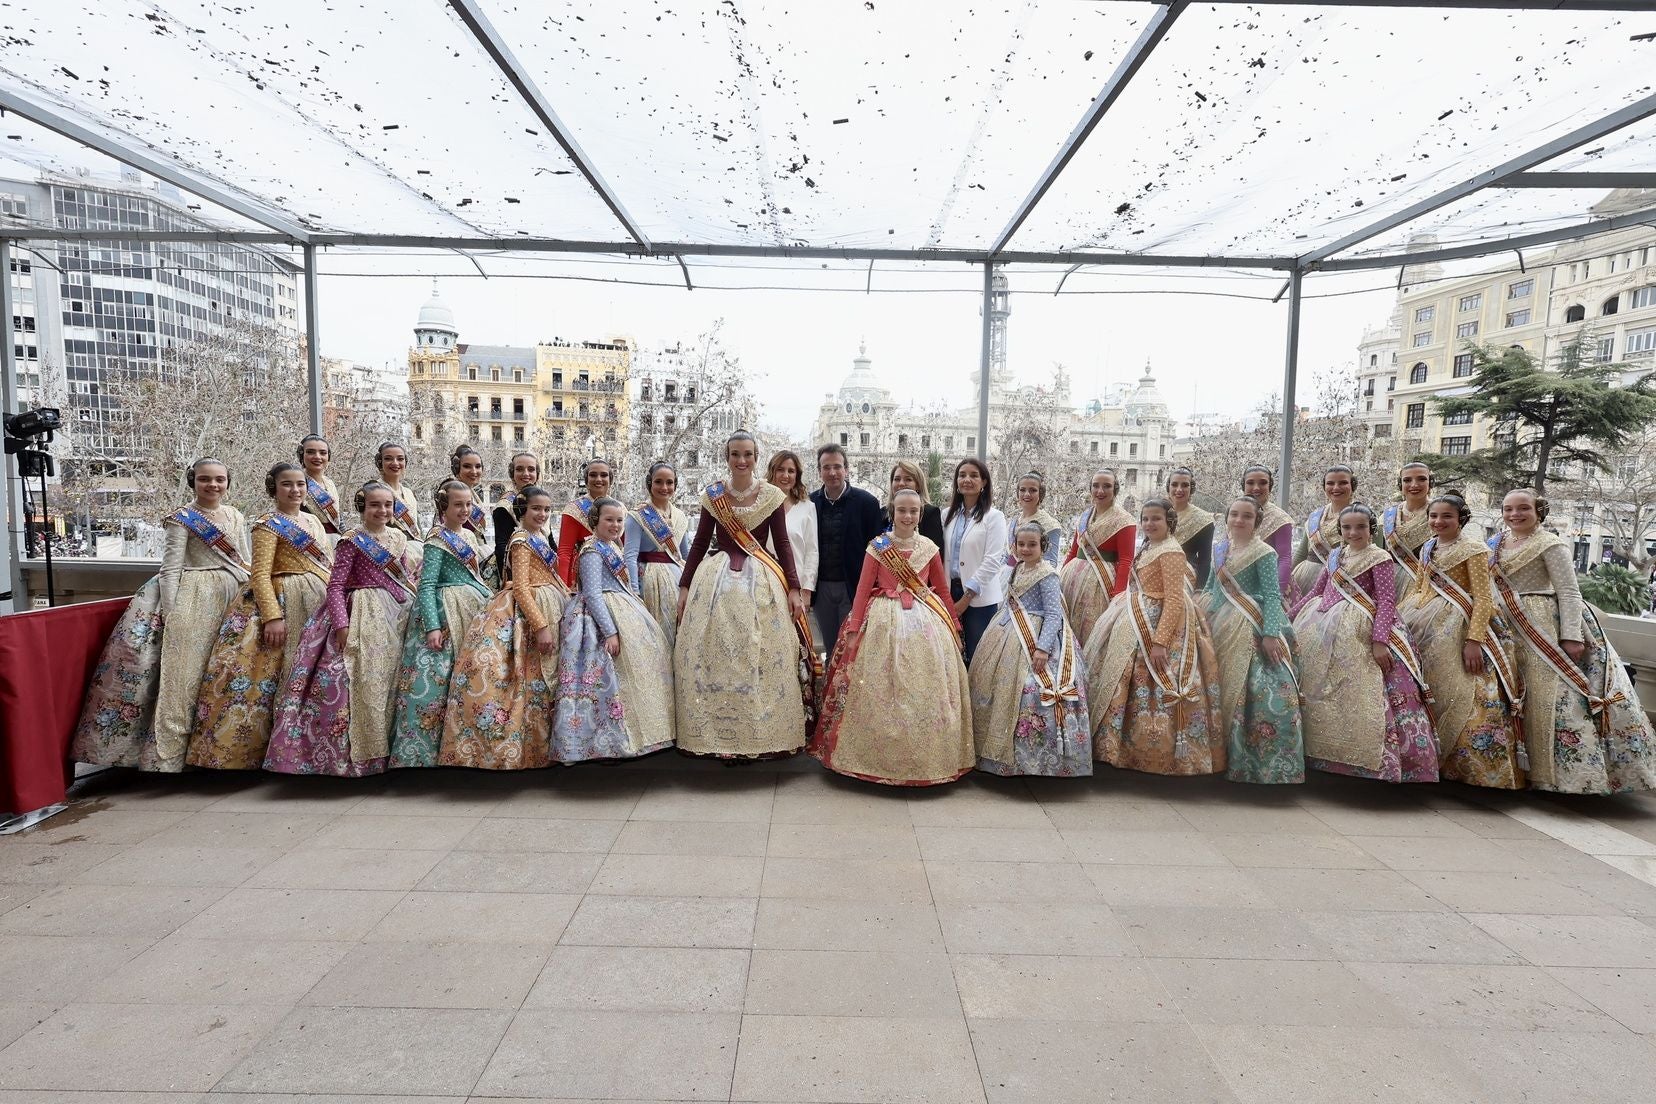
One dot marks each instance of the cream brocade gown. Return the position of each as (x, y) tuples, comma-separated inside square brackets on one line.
[(1087, 582), (1308, 562)]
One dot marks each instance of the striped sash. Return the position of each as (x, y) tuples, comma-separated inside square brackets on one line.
[(1397, 641), (1182, 684), (718, 499), (1494, 651), (383, 559), (1058, 690), (897, 563)]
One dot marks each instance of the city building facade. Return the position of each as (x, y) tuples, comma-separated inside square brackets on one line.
[(682, 413)]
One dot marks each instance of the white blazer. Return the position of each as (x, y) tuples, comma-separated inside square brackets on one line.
[(982, 555), (801, 518)]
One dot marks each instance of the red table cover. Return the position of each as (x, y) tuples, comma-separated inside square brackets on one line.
[(46, 662)]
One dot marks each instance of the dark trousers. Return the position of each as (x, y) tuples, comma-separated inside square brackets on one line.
[(973, 621), (832, 605)]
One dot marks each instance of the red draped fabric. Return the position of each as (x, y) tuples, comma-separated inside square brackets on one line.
[(46, 662)]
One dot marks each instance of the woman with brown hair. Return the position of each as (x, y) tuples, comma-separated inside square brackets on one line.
[(787, 474), (906, 475)]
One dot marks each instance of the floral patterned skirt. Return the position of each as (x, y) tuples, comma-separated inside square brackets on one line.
[(1014, 729), (117, 722), (423, 678), (499, 713), (192, 626), (1480, 736), (658, 587), (1259, 704), (1085, 597), (608, 707)]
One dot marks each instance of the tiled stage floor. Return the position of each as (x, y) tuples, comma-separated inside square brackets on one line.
[(677, 931)]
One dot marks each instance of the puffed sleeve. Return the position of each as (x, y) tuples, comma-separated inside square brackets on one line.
[(432, 569), (805, 549), (1123, 543), (1052, 545), (264, 590), (1483, 597), (1171, 624), (523, 592), (172, 563), (591, 571), (777, 526), (1384, 581), (632, 543), (698, 548), (1270, 594), (1561, 570), (344, 567), (1051, 601)]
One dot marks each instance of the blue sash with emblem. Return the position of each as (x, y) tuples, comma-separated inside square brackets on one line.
[(326, 506), (660, 532), (382, 558), (298, 536), (198, 525)]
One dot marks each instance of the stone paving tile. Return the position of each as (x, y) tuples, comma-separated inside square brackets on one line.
[(89, 822), (1072, 988), (1503, 891), (13, 895), (677, 1055), (431, 975), (1242, 991), (149, 865), (642, 979), (869, 1060), (1573, 940), (17, 1020), (47, 864), (710, 799), (1155, 816), (1009, 927), (38, 1096), (183, 971), (679, 876), (677, 837), (1134, 848), (1226, 819), (286, 914), (1222, 933), (851, 983), (844, 841), (1023, 882), (346, 868), (464, 917), (57, 969), (510, 871), (828, 799), (1043, 1061), (984, 805), (1333, 1065), (1558, 1067), (1320, 850), (330, 796), (270, 826), (1438, 853), (662, 922), (594, 837), (395, 832), (1406, 937), (1389, 820), (1518, 998), (845, 880), (789, 924), (137, 911), (591, 797), (1337, 890), (1628, 996), (1176, 886), (1032, 845)]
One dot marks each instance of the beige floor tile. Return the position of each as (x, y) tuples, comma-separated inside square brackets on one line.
[(679, 876), (1573, 940), (642, 979), (1489, 823), (1614, 888), (332, 1098), (1221, 933), (846, 925), (183, 971), (1255, 819), (53, 969), (330, 796), (980, 806), (215, 827), (1440, 853), (50, 864), (346, 868), (165, 1048), (150, 865), (1072, 988), (1320, 850), (677, 837), (1038, 1062), (19, 1019), (957, 844), (287, 914), (1238, 991), (662, 922), (512, 872), (974, 882), (138, 911), (13, 895), (70, 1096), (1343, 890), (851, 983), (823, 798), (1545, 856), (709, 798), (395, 832), (572, 798), (1628, 996), (1389, 818), (843, 841), (1558, 1067), (676, 1055), (92, 822), (438, 795), (1516, 998), (1177, 886), (864, 1060), (1340, 1065), (130, 789), (590, 837), (1406, 937), (847, 879), (1122, 816), (1131, 848), (461, 917), (1009, 927), (440, 1051), (431, 975), (1505, 891)]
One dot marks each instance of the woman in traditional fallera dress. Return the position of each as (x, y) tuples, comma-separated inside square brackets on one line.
[(391, 461), (743, 662), (1321, 533), (573, 524), (1583, 723), (1095, 571), (505, 678), (657, 538), (1404, 524), (1361, 681), (1031, 495), (333, 715), (451, 595), (1193, 528), (321, 496), (1259, 700), (525, 471), (897, 706), (1028, 700), (258, 640), (1466, 649), (1276, 527), (615, 670), (1151, 676), (466, 464), (140, 706)]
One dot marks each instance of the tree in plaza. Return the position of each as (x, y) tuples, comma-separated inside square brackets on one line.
[(687, 426), (1572, 412), (1034, 436), (1622, 495)]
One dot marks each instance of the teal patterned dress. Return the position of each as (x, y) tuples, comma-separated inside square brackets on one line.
[(1259, 700), (450, 597)]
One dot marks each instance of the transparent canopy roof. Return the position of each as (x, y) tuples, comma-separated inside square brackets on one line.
[(1271, 130)]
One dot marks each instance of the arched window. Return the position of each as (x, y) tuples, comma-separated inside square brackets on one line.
[(1611, 305), (1417, 374), (1577, 313)]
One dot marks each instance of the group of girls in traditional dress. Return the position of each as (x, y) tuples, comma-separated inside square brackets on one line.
[(1391, 645)]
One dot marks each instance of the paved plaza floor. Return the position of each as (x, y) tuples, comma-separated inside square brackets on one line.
[(672, 930)]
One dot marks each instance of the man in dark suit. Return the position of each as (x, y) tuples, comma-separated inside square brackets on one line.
[(847, 519)]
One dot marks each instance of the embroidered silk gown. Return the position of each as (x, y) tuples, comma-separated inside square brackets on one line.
[(140, 706), (1259, 702), (572, 530), (741, 676), (1318, 537), (1479, 730), (408, 523), (499, 713), (897, 709), (333, 716), (1574, 746), (332, 522), (1276, 528), (1359, 719), (1159, 721), (1094, 572), (1194, 532), (652, 567), (451, 596), (1405, 535), (1024, 722), (242, 676), (608, 707)]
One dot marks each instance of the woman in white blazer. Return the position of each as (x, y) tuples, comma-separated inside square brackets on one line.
[(787, 476), (974, 538)]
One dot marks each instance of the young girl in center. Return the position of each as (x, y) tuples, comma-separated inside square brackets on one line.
[(902, 633)]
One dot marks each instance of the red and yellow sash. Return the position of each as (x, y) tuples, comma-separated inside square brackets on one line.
[(1494, 651), (1252, 611), (1182, 683), (1089, 547), (1058, 690), (1551, 654), (718, 500), (1397, 641), (895, 562)]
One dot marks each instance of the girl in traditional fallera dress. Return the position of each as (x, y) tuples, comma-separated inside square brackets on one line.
[(1029, 704), (1321, 533), (1582, 721), (1095, 571), (1031, 495), (391, 460), (1192, 527), (258, 640), (321, 496), (1361, 682), (451, 595), (1276, 528), (743, 663), (141, 705), (1259, 700), (525, 470), (573, 524), (657, 539), (907, 476), (1151, 672), (901, 634), (615, 671), (1466, 649), (505, 678), (1404, 523), (333, 715)]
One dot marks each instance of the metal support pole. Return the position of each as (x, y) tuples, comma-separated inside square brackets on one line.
[(1290, 385), (13, 495), (313, 351), (983, 362)]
